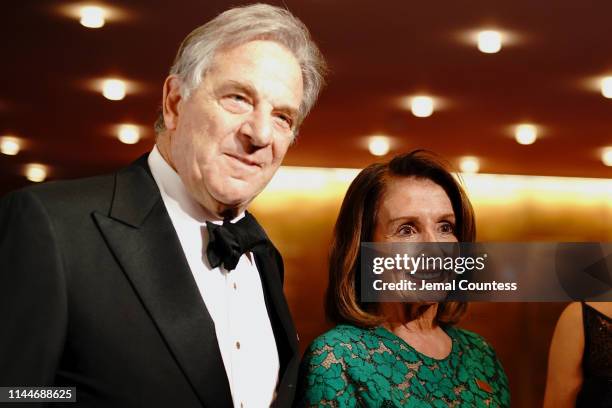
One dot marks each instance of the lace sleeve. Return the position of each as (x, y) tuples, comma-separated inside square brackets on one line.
[(323, 379)]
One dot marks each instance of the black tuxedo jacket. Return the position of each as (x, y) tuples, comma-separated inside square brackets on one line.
[(95, 292)]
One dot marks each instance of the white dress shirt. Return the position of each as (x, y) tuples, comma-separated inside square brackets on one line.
[(234, 299)]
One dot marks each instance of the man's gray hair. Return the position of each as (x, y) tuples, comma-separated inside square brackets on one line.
[(238, 26)]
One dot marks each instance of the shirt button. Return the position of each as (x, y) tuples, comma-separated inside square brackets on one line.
[(234, 285), (238, 345)]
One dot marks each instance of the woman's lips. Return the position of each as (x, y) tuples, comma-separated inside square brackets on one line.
[(433, 275)]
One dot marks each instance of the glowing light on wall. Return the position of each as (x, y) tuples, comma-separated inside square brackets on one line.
[(490, 193), (502, 189)]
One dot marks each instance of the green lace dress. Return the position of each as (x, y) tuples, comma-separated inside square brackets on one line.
[(349, 366)]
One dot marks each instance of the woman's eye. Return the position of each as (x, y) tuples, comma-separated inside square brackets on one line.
[(447, 228), (406, 229)]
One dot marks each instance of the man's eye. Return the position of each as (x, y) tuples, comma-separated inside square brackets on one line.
[(286, 120), (238, 98), (236, 103)]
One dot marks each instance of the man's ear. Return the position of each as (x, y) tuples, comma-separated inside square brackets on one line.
[(171, 101)]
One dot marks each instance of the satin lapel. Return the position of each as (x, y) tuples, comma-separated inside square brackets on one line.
[(139, 232), (286, 337)]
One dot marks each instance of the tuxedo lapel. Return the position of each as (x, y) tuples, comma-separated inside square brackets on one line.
[(268, 265), (139, 232)]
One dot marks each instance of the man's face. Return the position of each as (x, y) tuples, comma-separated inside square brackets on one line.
[(232, 133)]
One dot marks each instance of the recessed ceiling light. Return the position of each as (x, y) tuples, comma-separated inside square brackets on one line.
[(9, 145), (422, 106), (606, 87), (469, 164), (128, 134), (92, 16), (489, 41), (94, 13), (526, 134), (113, 89), (606, 156), (379, 145), (36, 172)]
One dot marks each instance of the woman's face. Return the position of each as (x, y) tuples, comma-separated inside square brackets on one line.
[(415, 210)]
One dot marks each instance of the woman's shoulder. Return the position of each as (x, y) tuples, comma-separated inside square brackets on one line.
[(341, 334), (573, 312), (470, 339), (570, 323), (479, 358)]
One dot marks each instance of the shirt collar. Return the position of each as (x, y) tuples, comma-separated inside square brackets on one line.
[(171, 187)]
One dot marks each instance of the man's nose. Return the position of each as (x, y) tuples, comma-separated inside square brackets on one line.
[(258, 128)]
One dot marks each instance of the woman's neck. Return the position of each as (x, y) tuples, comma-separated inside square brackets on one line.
[(422, 333), (397, 316)]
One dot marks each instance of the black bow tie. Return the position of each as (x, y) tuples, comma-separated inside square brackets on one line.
[(229, 241)]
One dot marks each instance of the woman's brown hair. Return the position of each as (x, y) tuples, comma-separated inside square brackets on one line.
[(356, 223)]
